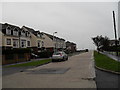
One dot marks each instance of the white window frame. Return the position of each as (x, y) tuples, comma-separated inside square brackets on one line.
[(23, 33), (15, 32), (23, 43), (15, 43), (39, 43), (42, 44), (39, 35), (8, 31), (29, 43), (8, 41)]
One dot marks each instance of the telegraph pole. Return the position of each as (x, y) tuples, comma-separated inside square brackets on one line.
[(115, 32)]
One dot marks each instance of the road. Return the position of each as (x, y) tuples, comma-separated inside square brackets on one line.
[(77, 72), (107, 80)]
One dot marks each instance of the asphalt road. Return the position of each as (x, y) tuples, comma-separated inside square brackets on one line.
[(107, 80), (77, 72)]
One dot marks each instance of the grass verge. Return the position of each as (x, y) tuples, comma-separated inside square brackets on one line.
[(105, 62), (33, 63)]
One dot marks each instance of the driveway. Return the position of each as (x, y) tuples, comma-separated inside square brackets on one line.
[(77, 72)]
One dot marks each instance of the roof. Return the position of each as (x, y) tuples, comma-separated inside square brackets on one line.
[(68, 42), (51, 36), (4, 26), (32, 30)]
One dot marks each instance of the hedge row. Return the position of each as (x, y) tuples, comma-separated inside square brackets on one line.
[(111, 48)]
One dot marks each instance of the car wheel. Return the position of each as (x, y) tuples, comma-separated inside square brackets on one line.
[(63, 58), (67, 58), (53, 60)]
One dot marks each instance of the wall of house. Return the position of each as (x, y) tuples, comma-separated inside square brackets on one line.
[(33, 40), (40, 39), (4, 40), (48, 42), (1, 39), (27, 39)]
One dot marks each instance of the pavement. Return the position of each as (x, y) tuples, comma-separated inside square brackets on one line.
[(117, 58), (77, 72)]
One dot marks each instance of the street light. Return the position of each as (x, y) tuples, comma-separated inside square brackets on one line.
[(115, 32), (54, 40)]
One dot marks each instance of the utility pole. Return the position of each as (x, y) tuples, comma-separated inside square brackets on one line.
[(115, 32)]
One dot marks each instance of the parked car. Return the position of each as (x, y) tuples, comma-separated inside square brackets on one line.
[(59, 56), (34, 55)]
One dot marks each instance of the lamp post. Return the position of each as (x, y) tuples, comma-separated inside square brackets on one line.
[(54, 40), (115, 32)]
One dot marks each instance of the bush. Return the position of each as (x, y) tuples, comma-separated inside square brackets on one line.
[(111, 48)]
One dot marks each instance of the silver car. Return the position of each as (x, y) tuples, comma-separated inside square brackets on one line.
[(59, 56)]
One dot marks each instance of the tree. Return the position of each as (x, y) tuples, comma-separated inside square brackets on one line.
[(101, 42)]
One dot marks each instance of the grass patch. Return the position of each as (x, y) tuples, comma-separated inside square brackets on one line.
[(33, 63), (105, 62)]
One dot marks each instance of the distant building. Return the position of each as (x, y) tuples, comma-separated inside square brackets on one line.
[(70, 46), (112, 42), (57, 43)]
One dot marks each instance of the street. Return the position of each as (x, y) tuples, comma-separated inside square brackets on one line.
[(77, 72), (107, 80)]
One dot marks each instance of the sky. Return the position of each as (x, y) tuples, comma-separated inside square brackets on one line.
[(77, 22)]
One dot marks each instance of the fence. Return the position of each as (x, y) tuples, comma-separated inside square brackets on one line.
[(15, 56)]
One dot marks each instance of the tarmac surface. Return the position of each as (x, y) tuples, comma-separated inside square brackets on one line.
[(107, 80), (77, 72)]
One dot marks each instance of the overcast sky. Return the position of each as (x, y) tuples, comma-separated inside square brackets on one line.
[(74, 21)]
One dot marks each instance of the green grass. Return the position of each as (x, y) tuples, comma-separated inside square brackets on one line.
[(33, 63), (105, 62)]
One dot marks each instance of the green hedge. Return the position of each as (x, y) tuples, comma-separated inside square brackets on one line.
[(111, 48)]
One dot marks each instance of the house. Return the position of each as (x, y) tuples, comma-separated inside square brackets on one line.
[(14, 44), (112, 42), (37, 40), (57, 43), (14, 37), (70, 46)]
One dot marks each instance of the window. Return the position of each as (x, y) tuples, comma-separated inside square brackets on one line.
[(23, 43), (28, 43), (39, 35), (8, 31), (15, 43), (27, 34), (8, 41), (23, 33), (42, 44), (39, 43), (15, 32)]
